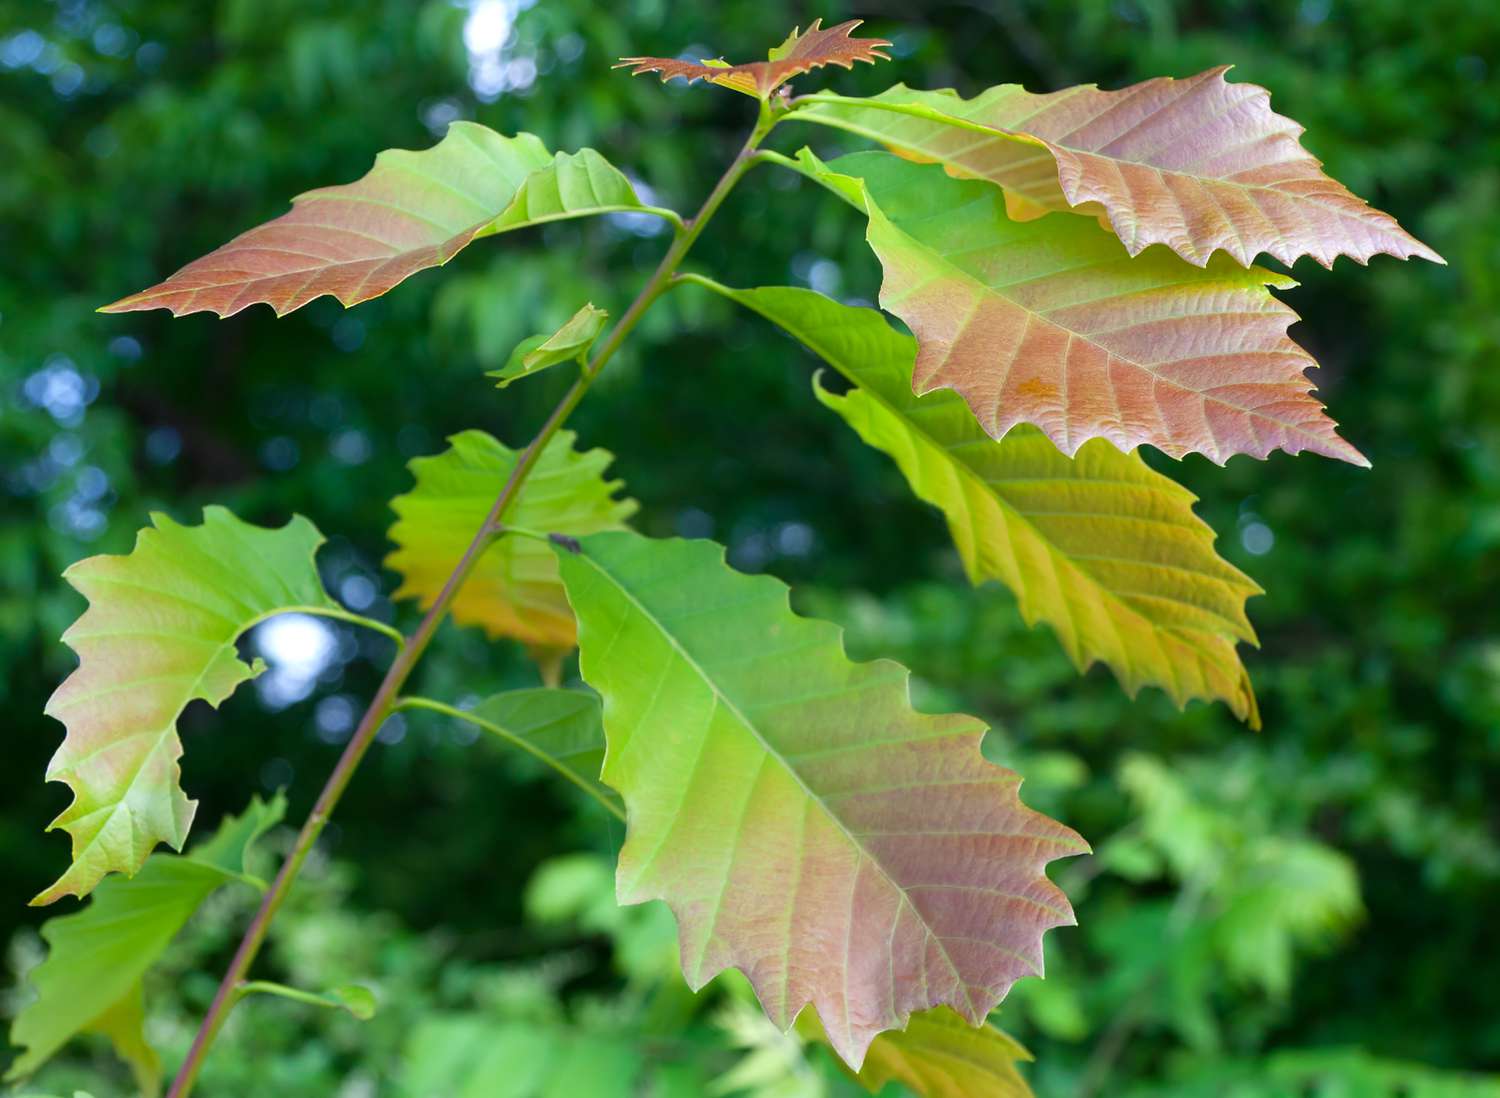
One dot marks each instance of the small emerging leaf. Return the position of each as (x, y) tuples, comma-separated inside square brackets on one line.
[(1198, 164), (801, 52), (514, 589), (1101, 547), (938, 1055), (1053, 323), (803, 822), (358, 1001), (159, 633), (571, 342), (91, 979)]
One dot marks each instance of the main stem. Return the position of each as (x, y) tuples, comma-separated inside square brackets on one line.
[(407, 657)]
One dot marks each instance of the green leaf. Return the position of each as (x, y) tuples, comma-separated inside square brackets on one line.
[(1099, 546), (513, 590), (159, 633), (939, 1055), (472, 1056), (572, 185), (91, 979), (563, 727), (803, 822), (571, 342), (1198, 164), (1053, 323), (358, 1001)]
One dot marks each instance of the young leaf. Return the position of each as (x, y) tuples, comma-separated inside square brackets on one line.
[(1051, 322), (514, 589), (1101, 547), (159, 633), (1197, 164), (571, 342), (803, 822), (91, 979), (412, 211), (573, 185), (801, 52), (939, 1055)]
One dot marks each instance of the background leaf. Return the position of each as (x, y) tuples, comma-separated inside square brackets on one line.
[(91, 979), (1101, 547), (1197, 164), (514, 590), (782, 800), (160, 632)]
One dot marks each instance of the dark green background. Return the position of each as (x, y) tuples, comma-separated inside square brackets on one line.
[(135, 136)]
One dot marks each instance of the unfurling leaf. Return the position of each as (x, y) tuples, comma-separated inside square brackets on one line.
[(91, 979), (571, 342), (413, 210), (803, 822), (1101, 547), (1197, 164), (801, 52), (514, 590), (939, 1055), (1051, 322), (159, 633)]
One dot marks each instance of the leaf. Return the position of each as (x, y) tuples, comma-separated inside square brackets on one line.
[(412, 211), (474, 1056), (1101, 547), (571, 342), (514, 589), (572, 185), (359, 1001), (564, 726), (939, 1055), (800, 53), (159, 633), (91, 979), (1197, 164), (1051, 322), (803, 822)]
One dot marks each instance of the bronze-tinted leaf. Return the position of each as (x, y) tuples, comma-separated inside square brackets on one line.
[(801, 52), (1198, 164), (1052, 322)]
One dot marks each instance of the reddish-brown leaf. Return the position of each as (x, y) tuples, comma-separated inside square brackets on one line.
[(1198, 164), (802, 52)]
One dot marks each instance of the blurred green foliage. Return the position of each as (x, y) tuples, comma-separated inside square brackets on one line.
[(1295, 912)]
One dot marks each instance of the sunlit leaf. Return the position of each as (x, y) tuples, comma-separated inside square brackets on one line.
[(1099, 546), (1051, 322), (91, 979), (801, 52), (939, 1055), (514, 589), (1198, 164), (804, 823), (411, 211), (564, 726), (569, 343), (159, 633)]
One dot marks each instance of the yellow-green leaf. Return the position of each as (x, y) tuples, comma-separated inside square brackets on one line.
[(160, 632), (1100, 546), (514, 590), (571, 342)]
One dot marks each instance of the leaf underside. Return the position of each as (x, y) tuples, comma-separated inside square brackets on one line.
[(514, 590), (938, 1055), (91, 978), (803, 822), (1051, 322), (564, 725), (800, 53), (1101, 547), (159, 633), (1197, 164), (411, 211)]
